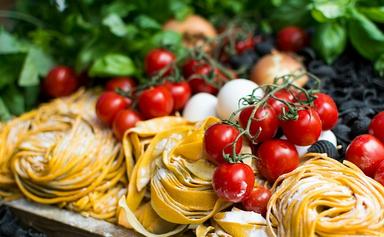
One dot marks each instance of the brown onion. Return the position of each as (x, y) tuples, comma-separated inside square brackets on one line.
[(275, 65), (194, 29)]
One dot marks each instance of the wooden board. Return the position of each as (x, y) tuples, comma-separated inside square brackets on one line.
[(56, 222)]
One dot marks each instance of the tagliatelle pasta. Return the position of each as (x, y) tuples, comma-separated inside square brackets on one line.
[(63, 155), (324, 197)]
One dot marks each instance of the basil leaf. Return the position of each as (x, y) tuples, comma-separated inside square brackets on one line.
[(4, 112), (10, 44), (112, 65), (365, 36), (116, 25), (373, 13), (292, 12), (180, 9), (324, 10), (36, 63), (10, 68), (32, 93), (330, 40), (13, 99), (147, 22)]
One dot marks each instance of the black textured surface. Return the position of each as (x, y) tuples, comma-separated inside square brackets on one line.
[(323, 146), (10, 226)]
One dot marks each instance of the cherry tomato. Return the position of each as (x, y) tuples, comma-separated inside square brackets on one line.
[(108, 105), (277, 105), (219, 137), (379, 174), (158, 59), (292, 38), (244, 45), (155, 102), (327, 110), (264, 122), (376, 128), (257, 200), (123, 83), (60, 81), (365, 151), (181, 92), (233, 182), (276, 157), (305, 130), (199, 84), (189, 67), (124, 120)]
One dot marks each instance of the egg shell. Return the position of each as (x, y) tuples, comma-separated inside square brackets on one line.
[(230, 94), (199, 107)]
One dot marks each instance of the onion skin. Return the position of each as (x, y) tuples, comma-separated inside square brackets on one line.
[(275, 65), (194, 28)]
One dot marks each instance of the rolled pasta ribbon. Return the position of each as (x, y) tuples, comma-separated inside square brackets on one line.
[(180, 185), (324, 197), (67, 157)]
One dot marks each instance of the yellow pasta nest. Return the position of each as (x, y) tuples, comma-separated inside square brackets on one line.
[(324, 197), (60, 154)]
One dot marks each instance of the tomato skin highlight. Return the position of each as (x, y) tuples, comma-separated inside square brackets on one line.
[(233, 182), (181, 92), (124, 83), (157, 59), (124, 120), (326, 107), (276, 157), (219, 137), (305, 130), (257, 200), (108, 105), (376, 128), (264, 122), (292, 38), (155, 102), (365, 151), (60, 81)]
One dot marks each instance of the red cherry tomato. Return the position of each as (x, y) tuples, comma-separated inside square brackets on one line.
[(276, 157), (108, 105), (292, 38), (365, 151), (257, 200), (199, 84), (124, 120), (181, 92), (376, 128), (305, 130), (379, 174), (189, 67), (155, 102), (60, 81), (264, 122), (244, 45), (233, 182), (219, 137), (158, 59), (123, 83), (277, 105), (327, 110)]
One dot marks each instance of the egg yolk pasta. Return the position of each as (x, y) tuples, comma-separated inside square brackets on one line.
[(324, 197)]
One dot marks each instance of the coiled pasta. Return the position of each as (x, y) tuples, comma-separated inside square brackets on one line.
[(323, 197)]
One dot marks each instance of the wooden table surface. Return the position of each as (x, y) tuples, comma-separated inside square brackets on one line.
[(56, 222)]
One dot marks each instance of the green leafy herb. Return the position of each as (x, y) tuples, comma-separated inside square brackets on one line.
[(112, 65)]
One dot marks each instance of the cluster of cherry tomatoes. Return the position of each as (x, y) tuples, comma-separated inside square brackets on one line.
[(123, 104), (258, 125), (367, 150)]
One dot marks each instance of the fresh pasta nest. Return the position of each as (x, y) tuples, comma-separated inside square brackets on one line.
[(324, 197)]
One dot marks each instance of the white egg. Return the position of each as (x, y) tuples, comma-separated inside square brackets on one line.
[(230, 94), (328, 135), (199, 107)]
